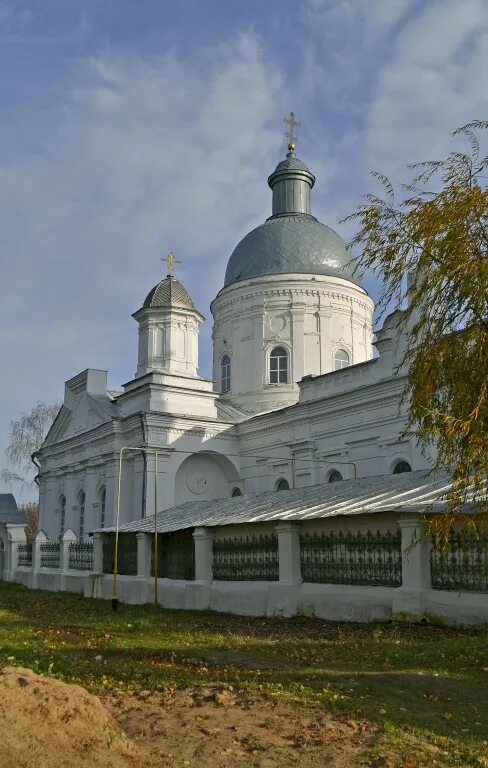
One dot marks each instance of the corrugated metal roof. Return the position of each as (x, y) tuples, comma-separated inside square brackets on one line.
[(409, 492), (9, 512)]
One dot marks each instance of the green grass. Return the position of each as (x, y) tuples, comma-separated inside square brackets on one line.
[(423, 685)]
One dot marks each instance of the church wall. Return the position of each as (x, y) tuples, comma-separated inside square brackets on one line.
[(356, 433), (312, 316)]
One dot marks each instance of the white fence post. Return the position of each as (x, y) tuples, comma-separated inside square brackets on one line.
[(98, 552), (144, 545), (289, 553), (415, 567), (203, 541), (36, 557), (69, 537), (15, 536)]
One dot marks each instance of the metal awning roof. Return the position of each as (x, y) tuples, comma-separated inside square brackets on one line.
[(410, 492), (9, 512)]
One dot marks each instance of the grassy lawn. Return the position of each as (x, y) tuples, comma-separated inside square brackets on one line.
[(420, 684)]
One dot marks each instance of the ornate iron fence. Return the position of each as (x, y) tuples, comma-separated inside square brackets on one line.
[(25, 555), (80, 556), (462, 565), (127, 555), (370, 559), (176, 555), (253, 558), (50, 554)]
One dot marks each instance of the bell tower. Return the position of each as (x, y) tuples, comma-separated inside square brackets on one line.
[(168, 328)]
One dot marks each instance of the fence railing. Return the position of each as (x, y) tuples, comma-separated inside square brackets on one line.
[(24, 555), (127, 554), (250, 558), (176, 555), (373, 559), (50, 554), (462, 565), (80, 556)]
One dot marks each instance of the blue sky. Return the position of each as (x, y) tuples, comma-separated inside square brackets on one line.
[(129, 127)]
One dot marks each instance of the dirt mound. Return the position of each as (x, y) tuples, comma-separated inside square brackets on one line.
[(48, 724)]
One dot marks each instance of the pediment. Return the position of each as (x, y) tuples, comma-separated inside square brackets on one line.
[(85, 415)]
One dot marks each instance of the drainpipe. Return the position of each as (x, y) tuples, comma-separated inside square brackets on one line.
[(144, 460), (37, 466)]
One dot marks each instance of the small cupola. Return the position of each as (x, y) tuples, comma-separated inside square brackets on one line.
[(168, 328), (291, 182)]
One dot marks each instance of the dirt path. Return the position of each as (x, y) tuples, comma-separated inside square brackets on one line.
[(212, 727)]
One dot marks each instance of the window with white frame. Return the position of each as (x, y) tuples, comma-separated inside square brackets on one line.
[(278, 366), (62, 514), (341, 359), (225, 373), (82, 514), (103, 495)]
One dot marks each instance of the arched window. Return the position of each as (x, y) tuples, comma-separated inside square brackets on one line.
[(401, 467), (225, 373), (62, 514), (278, 366), (341, 359), (82, 515), (103, 495), (282, 485), (334, 476), (236, 492)]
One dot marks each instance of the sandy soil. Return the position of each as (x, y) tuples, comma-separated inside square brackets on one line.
[(45, 723), (223, 728)]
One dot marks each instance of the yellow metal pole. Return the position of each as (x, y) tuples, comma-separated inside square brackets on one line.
[(115, 599), (155, 527)]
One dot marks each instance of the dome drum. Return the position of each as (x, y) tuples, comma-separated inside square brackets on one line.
[(291, 305)]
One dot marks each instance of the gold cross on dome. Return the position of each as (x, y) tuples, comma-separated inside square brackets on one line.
[(292, 124), (170, 258)]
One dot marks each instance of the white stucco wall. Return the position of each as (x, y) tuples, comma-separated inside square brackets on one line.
[(311, 316)]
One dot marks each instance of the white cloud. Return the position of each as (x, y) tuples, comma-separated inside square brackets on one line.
[(434, 82), (145, 154)]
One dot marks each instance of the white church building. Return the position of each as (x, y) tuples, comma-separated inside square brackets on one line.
[(296, 443)]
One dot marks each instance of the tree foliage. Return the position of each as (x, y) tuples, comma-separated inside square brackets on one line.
[(436, 235), (27, 434), (31, 512)]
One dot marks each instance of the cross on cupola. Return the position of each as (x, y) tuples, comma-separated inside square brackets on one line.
[(171, 260), (290, 134)]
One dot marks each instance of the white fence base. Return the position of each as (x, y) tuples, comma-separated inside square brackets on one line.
[(333, 602)]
